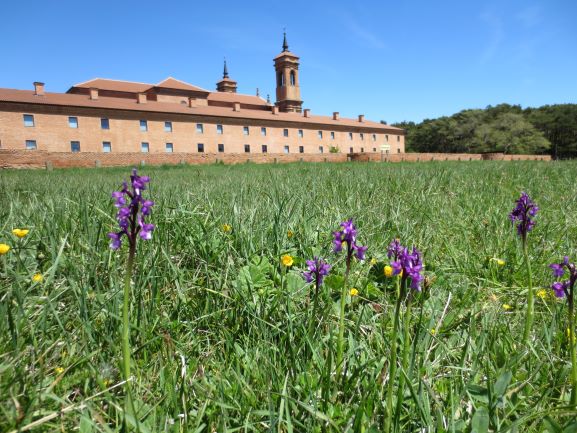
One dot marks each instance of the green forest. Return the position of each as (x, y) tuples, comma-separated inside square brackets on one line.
[(550, 129)]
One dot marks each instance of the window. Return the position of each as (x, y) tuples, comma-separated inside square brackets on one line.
[(351, 150), (293, 78), (362, 136), (169, 148), (387, 137), (350, 135), (75, 146), (264, 148), (200, 147), (167, 126), (30, 144), (301, 149), (321, 149), (247, 147), (374, 137), (143, 125), (332, 135), (106, 147), (398, 138), (320, 134), (285, 132), (362, 150), (221, 147), (245, 130), (398, 150), (219, 129), (73, 122), (199, 128), (263, 131), (280, 79), (301, 133), (104, 123), (286, 149), (144, 147), (374, 149), (28, 120)]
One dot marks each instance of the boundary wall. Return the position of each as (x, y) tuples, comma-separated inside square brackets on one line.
[(10, 158)]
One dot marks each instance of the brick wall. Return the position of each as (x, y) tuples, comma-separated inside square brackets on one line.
[(10, 158)]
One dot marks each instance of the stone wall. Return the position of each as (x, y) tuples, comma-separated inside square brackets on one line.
[(42, 159)]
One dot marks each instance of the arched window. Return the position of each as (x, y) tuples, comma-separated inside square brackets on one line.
[(280, 79), (292, 78)]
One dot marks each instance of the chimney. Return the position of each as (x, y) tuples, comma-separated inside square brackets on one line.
[(192, 102), (307, 112), (361, 118), (274, 109), (142, 98), (38, 88), (335, 115), (236, 106), (93, 93)]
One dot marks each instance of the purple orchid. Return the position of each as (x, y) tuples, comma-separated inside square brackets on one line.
[(563, 288), (348, 236), (407, 264), (131, 217), (317, 270), (523, 213)]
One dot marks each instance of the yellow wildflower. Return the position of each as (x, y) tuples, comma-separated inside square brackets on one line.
[(287, 260), (289, 234), (354, 292), (58, 370), (542, 293), (388, 271), (38, 278), (20, 232), (507, 307), (500, 262), (373, 261), (433, 331), (227, 228), (4, 249)]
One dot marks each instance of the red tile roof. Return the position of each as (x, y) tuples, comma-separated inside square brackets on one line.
[(236, 97), (115, 85), (173, 83), (79, 100)]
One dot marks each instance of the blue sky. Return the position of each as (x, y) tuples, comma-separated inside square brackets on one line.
[(391, 61)]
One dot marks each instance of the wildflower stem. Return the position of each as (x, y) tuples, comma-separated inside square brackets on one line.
[(530, 301), (341, 338), (573, 349), (393, 362), (406, 350)]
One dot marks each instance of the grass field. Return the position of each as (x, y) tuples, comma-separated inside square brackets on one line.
[(224, 338)]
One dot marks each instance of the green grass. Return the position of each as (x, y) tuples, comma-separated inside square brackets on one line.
[(220, 331)]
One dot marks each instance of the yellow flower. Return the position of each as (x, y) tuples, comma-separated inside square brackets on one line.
[(4, 249), (354, 292), (37, 278), (20, 232), (542, 293), (500, 262), (289, 234), (287, 260), (58, 370), (507, 307), (388, 271), (433, 331), (373, 261), (227, 228)]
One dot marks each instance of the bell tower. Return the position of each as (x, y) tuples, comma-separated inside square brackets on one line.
[(288, 93), (226, 84)]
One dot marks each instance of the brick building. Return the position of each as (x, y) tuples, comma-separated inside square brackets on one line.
[(110, 116)]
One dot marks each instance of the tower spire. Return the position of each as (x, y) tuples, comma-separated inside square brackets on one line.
[(284, 43), (225, 71)]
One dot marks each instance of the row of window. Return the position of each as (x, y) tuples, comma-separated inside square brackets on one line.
[(105, 124), (169, 147)]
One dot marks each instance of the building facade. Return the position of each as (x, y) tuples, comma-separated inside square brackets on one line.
[(173, 116)]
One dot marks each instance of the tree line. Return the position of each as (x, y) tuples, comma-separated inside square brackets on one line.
[(550, 129)]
